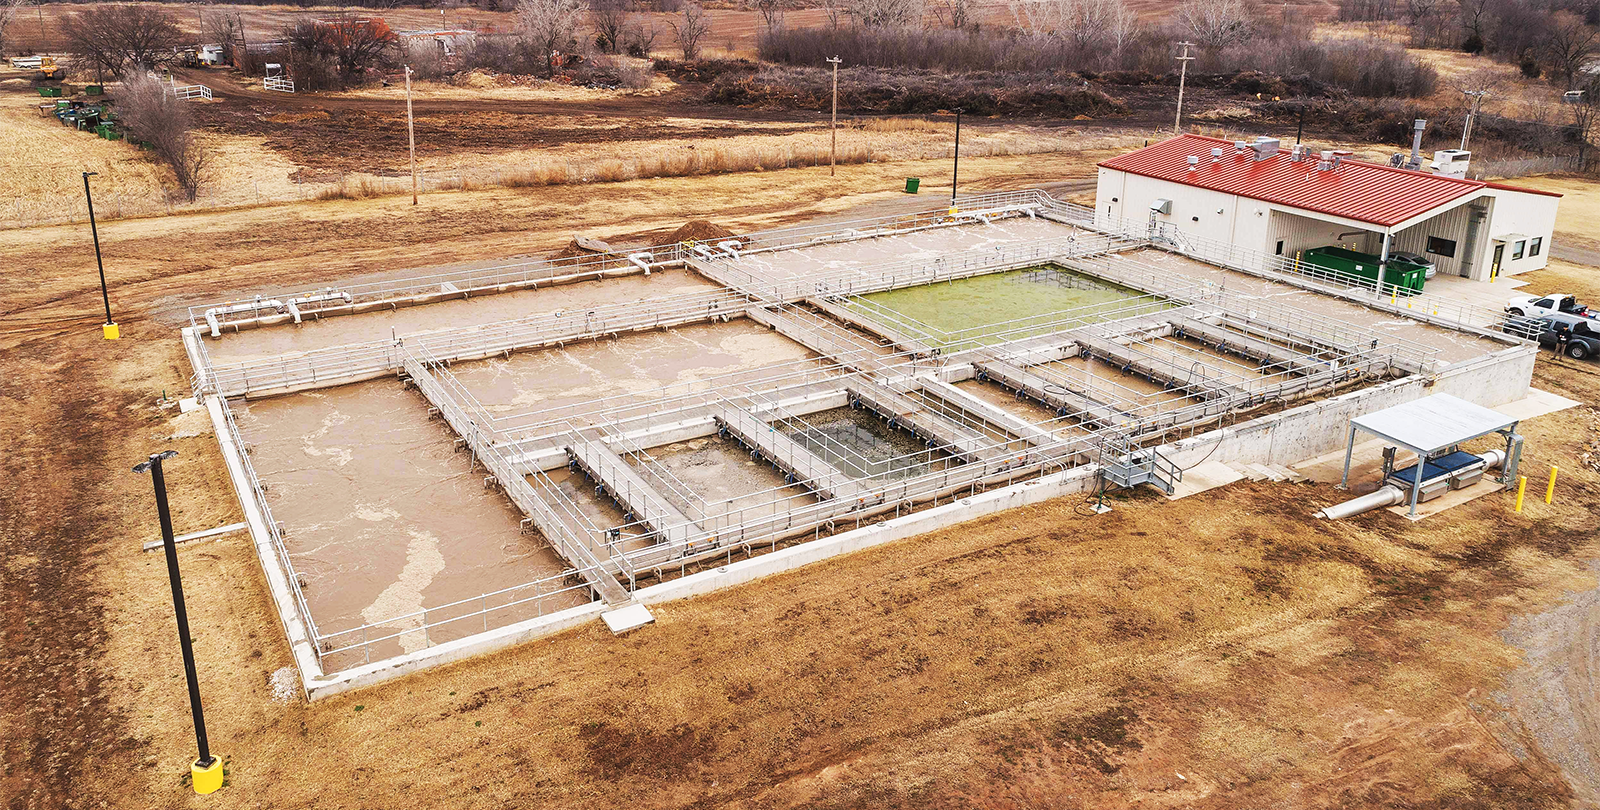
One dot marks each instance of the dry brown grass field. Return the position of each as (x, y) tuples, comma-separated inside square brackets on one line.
[(1217, 652)]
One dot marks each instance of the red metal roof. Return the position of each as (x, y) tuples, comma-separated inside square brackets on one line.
[(1365, 192)]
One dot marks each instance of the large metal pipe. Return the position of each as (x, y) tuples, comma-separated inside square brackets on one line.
[(1391, 495)]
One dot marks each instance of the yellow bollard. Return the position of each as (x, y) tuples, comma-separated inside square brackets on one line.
[(954, 210), (110, 331), (1522, 484), (1550, 491)]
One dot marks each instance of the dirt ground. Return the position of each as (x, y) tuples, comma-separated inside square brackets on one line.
[(1222, 651)]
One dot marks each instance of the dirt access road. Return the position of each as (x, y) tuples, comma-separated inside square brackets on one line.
[(1218, 652)]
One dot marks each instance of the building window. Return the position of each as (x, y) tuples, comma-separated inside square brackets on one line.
[(1516, 251), (1535, 245), (1442, 247), (1280, 247)]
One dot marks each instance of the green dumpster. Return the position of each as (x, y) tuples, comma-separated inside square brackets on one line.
[(1406, 278), (912, 183), (94, 90), (50, 92)]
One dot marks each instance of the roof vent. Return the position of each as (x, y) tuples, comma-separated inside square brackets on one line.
[(1194, 162), (1239, 147), (1216, 154)]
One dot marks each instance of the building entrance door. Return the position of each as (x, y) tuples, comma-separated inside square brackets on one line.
[(1499, 254)]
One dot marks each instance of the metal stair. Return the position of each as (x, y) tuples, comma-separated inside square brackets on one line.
[(1127, 466)]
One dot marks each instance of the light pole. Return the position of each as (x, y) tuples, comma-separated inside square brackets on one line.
[(411, 133), (833, 129), (206, 770), (955, 168), (1183, 74), (109, 330), (1473, 106)]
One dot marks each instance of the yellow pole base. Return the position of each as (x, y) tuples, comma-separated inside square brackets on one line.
[(206, 780), (111, 331), (954, 210)]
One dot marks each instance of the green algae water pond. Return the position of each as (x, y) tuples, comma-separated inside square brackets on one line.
[(955, 307)]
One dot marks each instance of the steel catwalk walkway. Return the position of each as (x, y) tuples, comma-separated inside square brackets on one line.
[(806, 467)]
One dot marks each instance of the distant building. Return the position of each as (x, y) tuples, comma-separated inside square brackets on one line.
[(1258, 196)]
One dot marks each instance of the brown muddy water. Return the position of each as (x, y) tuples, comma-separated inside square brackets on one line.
[(339, 330), (725, 484), (567, 381), (383, 517), (1108, 384), (1024, 408), (862, 445)]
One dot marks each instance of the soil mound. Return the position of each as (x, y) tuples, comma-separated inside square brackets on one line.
[(698, 230)]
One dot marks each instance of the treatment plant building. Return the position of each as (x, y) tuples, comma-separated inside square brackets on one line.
[(1259, 197)]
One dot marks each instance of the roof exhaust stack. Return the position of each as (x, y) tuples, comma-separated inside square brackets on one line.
[(1415, 163)]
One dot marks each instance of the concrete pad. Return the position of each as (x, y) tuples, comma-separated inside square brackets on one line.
[(188, 404), (1202, 477), (1329, 467), (622, 620), (1454, 497), (1536, 403)]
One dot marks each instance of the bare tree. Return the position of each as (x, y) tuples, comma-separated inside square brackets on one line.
[(9, 9), (225, 28), (832, 10), (693, 27), (772, 12), (116, 38), (609, 19), (549, 25), (1569, 45), (955, 14), (1475, 18), (1217, 24), (886, 13), (350, 45), (1037, 16), (151, 114)]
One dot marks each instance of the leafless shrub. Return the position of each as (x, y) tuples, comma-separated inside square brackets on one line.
[(114, 39), (886, 13), (152, 115), (956, 14), (350, 45), (1217, 24), (690, 29), (550, 26)]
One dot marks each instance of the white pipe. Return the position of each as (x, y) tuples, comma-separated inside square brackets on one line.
[(642, 260), (253, 306), (732, 246), (330, 295)]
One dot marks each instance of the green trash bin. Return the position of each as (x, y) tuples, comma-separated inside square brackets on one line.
[(912, 183)]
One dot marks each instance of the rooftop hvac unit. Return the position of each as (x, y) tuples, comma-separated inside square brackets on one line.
[(1265, 147), (1451, 162), (1161, 206)]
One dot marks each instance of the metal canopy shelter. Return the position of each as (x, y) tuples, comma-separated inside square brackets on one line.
[(1427, 427)]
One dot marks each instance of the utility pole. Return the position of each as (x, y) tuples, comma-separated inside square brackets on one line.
[(1300, 129), (955, 170), (1183, 75), (411, 135), (206, 770), (833, 129), (1473, 106), (109, 330)]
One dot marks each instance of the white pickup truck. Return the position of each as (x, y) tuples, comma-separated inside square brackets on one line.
[(1546, 305)]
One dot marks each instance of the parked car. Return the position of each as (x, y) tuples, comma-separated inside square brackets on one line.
[(1547, 305), (1416, 258), (1583, 339)]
